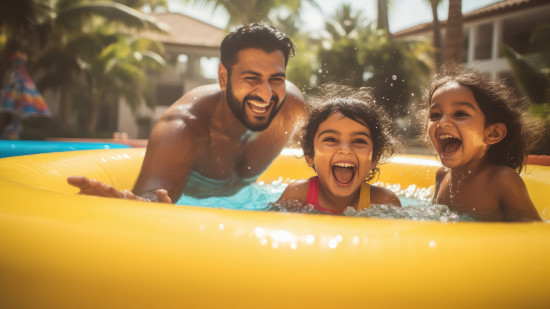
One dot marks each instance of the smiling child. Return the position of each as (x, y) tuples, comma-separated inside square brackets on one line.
[(344, 139), (475, 126)]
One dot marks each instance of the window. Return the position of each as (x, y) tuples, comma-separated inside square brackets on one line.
[(484, 42)]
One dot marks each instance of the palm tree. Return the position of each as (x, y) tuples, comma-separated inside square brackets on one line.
[(56, 28), (396, 70), (117, 71), (244, 12), (338, 54), (434, 4), (453, 42), (383, 20), (112, 65), (344, 23)]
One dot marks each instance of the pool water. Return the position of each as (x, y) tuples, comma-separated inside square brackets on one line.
[(415, 203)]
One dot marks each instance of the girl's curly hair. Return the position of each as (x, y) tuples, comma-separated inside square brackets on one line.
[(356, 104), (499, 104)]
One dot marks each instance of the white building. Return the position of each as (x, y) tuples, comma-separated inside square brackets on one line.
[(192, 52), (507, 22)]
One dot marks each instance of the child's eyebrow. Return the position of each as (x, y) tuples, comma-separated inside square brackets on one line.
[(328, 131), (468, 104), (338, 133), (362, 133)]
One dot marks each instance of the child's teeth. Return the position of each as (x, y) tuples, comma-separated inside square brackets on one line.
[(345, 164)]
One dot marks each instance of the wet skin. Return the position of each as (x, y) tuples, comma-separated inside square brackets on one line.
[(343, 157), (221, 140), (468, 182)]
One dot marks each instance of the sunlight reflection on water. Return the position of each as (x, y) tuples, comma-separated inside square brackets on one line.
[(259, 196)]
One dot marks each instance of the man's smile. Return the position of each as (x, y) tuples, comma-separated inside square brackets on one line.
[(259, 107)]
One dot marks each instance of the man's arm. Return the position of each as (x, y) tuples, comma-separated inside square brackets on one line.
[(171, 151)]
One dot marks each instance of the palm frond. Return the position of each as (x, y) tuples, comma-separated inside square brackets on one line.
[(83, 15)]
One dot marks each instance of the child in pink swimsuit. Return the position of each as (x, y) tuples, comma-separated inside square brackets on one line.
[(344, 139)]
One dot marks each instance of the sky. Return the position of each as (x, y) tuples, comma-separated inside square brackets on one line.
[(402, 13)]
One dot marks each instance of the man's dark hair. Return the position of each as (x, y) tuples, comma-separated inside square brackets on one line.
[(256, 35)]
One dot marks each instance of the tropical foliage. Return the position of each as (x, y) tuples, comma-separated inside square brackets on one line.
[(531, 72), (85, 51), (244, 12), (359, 54)]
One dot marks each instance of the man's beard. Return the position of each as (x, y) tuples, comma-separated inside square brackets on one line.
[(239, 109)]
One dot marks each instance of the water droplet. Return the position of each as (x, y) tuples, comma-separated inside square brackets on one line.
[(394, 77)]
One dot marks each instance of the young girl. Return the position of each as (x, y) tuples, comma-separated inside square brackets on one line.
[(344, 139), (475, 125)]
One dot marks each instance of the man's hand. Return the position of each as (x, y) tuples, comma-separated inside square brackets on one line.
[(94, 187)]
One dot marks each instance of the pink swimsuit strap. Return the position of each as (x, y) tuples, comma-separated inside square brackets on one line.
[(313, 192), (313, 195)]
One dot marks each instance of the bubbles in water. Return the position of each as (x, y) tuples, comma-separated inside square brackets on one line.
[(394, 77)]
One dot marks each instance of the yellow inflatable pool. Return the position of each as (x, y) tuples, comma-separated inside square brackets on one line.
[(63, 250)]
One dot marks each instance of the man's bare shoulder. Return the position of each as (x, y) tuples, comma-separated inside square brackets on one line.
[(195, 107), (198, 99), (295, 97)]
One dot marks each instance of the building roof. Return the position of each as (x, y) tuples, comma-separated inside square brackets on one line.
[(188, 31), (495, 9)]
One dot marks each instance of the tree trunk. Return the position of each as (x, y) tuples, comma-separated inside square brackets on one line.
[(437, 34), (453, 42), (383, 22), (93, 116), (65, 111)]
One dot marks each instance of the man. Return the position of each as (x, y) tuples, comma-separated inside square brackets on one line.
[(217, 139)]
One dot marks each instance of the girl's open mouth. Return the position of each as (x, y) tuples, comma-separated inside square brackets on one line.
[(448, 144), (344, 172)]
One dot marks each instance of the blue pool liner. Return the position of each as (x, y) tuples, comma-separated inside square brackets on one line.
[(9, 148)]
